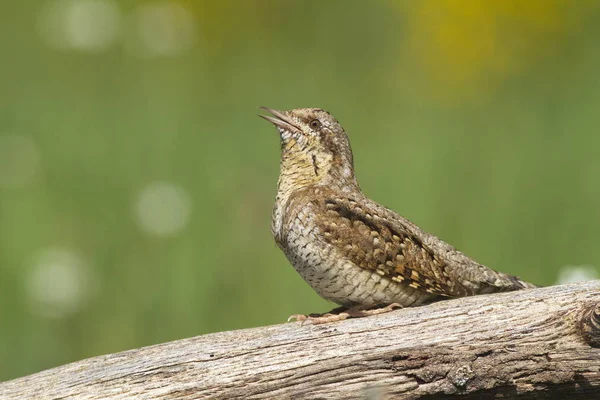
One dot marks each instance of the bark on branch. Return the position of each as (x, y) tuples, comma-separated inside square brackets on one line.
[(541, 343)]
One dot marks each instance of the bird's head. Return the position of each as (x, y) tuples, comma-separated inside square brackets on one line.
[(314, 147)]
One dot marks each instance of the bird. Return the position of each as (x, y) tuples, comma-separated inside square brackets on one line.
[(351, 250)]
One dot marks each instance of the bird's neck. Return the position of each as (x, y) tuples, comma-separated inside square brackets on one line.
[(299, 170)]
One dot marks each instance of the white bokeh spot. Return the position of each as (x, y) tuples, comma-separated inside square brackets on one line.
[(576, 273), (85, 25), (19, 161), (59, 284), (161, 29), (163, 208)]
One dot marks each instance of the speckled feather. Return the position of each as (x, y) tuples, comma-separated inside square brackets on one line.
[(377, 239), (350, 249)]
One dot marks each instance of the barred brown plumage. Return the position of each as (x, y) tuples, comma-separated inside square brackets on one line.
[(350, 249)]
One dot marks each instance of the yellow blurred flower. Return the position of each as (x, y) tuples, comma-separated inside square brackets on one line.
[(465, 45)]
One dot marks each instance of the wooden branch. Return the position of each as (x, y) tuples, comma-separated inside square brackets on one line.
[(540, 343)]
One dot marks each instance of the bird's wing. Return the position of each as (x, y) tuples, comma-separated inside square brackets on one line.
[(378, 239), (375, 238), (371, 240)]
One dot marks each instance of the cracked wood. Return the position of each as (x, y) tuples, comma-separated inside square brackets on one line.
[(539, 343)]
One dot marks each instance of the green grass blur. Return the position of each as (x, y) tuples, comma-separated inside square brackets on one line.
[(480, 126)]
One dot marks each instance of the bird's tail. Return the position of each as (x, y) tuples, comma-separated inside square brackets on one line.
[(500, 282), (517, 283)]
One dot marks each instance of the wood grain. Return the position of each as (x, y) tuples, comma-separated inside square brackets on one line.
[(531, 344)]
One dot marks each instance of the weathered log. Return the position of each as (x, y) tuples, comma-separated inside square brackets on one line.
[(541, 343)]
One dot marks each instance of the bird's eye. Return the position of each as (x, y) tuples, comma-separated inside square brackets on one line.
[(315, 124)]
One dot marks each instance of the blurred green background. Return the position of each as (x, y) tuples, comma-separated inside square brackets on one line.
[(136, 182)]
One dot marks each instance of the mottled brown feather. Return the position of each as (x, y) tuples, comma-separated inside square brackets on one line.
[(376, 243), (375, 238), (344, 244)]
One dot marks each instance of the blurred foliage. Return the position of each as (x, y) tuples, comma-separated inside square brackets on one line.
[(463, 45), (475, 119)]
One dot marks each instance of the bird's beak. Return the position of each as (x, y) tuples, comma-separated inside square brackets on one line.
[(279, 119)]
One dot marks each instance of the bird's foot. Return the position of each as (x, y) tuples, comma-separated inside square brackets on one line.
[(342, 313)]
